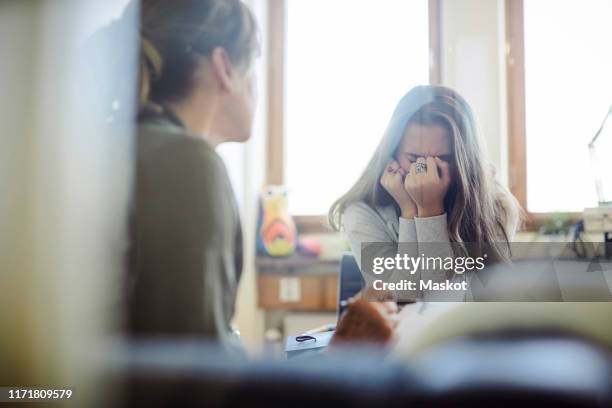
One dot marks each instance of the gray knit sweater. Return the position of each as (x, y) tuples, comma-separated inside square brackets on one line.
[(425, 236)]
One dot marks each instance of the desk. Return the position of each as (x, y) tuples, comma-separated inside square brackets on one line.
[(415, 320), (421, 327)]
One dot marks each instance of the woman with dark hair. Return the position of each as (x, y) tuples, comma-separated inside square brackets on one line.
[(196, 91)]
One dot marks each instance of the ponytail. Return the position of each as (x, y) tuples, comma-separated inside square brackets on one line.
[(179, 33), (149, 70)]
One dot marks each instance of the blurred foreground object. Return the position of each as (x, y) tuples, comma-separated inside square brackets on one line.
[(490, 372), (309, 246), (64, 179), (364, 322)]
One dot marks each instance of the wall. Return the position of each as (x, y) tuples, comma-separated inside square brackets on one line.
[(473, 63)]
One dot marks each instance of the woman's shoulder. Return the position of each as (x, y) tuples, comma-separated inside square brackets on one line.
[(359, 209), (160, 145), (365, 223), (176, 170), (361, 212), (159, 133)]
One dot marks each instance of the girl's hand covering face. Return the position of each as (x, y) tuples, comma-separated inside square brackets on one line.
[(392, 180), (428, 188)]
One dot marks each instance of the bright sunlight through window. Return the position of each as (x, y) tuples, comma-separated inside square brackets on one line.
[(568, 84), (348, 63)]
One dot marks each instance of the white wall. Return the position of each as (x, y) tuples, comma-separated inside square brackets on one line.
[(473, 63)]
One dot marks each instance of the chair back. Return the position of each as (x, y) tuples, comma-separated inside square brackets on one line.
[(350, 282)]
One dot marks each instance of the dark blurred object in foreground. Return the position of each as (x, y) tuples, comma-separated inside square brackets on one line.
[(543, 370)]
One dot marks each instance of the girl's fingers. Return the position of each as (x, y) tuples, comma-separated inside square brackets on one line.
[(412, 173), (432, 168), (391, 179), (384, 178), (407, 169), (409, 180), (398, 178), (392, 166)]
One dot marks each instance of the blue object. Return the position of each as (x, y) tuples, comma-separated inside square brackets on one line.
[(350, 282)]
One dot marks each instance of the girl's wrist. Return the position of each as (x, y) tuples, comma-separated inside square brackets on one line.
[(408, 212), (433, 211)]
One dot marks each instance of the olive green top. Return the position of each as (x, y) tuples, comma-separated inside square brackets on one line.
[(185, 258)]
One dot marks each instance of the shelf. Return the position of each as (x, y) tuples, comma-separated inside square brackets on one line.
[(297, 264), (297, 283)]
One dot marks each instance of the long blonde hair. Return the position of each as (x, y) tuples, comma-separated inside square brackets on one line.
[(479, 208)]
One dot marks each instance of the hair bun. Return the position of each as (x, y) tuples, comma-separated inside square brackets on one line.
[(150, 68)]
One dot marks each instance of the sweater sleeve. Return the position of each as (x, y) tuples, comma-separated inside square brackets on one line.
[(434, 242), (407, 230), (432, 229), (363, 225)]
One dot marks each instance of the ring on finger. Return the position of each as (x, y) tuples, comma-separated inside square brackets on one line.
[(421, 167)]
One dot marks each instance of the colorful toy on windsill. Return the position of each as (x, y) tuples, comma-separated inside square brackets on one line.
[(276, 229)]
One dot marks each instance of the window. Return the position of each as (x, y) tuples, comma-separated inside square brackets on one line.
[(348, 62), (568, 91)]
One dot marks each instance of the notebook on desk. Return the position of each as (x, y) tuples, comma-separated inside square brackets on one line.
[(307, 343)]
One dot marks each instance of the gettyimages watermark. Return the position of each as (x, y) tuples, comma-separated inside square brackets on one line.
[(478, 272)]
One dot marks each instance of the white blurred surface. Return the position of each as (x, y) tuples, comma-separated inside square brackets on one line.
[(64, 182)]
